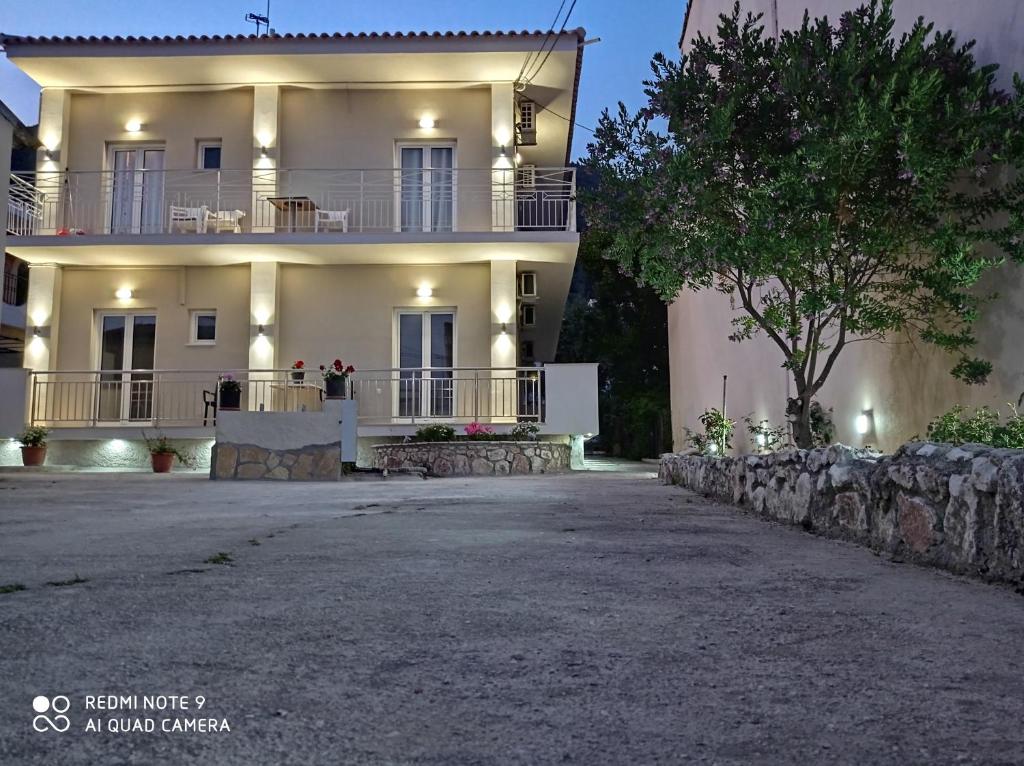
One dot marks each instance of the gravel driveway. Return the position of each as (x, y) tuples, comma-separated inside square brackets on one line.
[(595, 618)]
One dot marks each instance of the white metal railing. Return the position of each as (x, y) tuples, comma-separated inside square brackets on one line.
[(91, 398), (141, 202), (24, 207)]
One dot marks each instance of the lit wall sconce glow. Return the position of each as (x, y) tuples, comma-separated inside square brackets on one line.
[(762, 440), (123, 294), (36, 345), (504, 328), (262, 344), (864, 422), (519, 158), (47, 155), (427, 122), (503, 344), (503, 314), (264, 152), (260, 331), (712, 447), (37, 333), (503, 153), (133, 126), (118, 445), (424, 291)]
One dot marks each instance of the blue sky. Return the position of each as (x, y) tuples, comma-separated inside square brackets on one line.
[(630, 32)]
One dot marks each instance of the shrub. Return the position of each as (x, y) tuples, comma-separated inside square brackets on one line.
[(983, 426), (479, 431), (764, 436), (823, 430), (435, 433), (33, 436), (716, 439), (524, 432), (161, 446)]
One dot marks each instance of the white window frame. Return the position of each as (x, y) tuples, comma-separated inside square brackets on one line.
[(522, 284), (527, 176), (193, 325), (532, 111), (208, 143), (140, 148), (426, 313), (525, 308), (425, 147), (126, 378)]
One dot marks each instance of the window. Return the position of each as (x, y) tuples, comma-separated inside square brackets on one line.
[(209, 155), (527, 315), (426, 196), (527, 114), (204, 328), (528, 284)]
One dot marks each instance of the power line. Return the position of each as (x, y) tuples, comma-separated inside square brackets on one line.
[(543, 43), (562, 116), (530, 77)]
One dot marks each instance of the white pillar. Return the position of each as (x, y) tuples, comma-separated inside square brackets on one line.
[(266, 124), (54, 116), (264, 303), (504, 394), (42, 326), (503, 149)]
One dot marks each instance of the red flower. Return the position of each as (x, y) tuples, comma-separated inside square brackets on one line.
[(338, 365), (298, 365), (350, 369), (322, 368)]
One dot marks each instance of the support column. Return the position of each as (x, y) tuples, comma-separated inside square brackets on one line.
[(42, 314), (264, 303), (504, 393), (54, 117), (266, 123), (503, 209)]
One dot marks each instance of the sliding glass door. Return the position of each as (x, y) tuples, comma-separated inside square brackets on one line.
[(426, 192), (127, 352), (426, 356), (136, 190)]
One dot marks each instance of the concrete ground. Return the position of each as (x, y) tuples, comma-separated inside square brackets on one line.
[(596, 618)]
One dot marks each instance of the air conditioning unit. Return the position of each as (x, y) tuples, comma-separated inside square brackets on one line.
[(528, 284), (526, 125)]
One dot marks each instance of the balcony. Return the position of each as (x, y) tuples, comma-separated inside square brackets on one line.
[(127, 206), (405, 398)]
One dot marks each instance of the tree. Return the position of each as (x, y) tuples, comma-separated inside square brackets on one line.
[(838, 184)]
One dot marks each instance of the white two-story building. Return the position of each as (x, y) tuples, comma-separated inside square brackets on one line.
[(206, 206)]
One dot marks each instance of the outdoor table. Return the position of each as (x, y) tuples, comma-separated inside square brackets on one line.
[(292, 206)]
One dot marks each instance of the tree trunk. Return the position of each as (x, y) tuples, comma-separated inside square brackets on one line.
[(798, 412)]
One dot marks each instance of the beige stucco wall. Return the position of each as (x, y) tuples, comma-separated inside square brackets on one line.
[(168, 292), (360, 128), (905, 385), (348, 311)]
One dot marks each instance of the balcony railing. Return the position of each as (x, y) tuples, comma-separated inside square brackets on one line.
[(150, 202), (155, 398)]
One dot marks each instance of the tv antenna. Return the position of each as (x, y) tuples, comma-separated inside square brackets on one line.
[(260, 20)]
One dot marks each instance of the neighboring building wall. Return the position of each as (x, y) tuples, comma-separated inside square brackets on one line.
[(904, 384)]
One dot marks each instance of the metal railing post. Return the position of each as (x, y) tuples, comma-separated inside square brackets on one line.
[(476, 396)]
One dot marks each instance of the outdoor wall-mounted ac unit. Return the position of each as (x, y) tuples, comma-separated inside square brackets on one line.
[(527, 315)]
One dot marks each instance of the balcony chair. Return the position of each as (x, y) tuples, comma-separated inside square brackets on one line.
[(185, 218), (209, 403), (227, 220), (328, 219)]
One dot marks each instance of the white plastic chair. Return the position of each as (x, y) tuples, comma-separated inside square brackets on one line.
[(328, 219), (195, 218)]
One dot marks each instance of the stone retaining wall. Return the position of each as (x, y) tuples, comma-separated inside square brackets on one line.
[(474, 458), (960, 508), (315, 462)]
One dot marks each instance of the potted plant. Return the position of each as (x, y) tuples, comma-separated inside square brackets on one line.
[(230, 392), (33, 445), (162, 453), (298, 371), (336, 378)]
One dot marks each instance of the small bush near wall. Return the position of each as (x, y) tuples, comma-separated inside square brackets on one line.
[(983, 426), (476, 458)]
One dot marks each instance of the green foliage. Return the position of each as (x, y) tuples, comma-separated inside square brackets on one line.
[(623, 327), (435, 433), (823, 430), (33, 436), (162, 446), (765, 437), (983, 426), (837, 184), (524, 432), (717, 436)]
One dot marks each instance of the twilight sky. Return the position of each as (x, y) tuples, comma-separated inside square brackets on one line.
[(613, 69)]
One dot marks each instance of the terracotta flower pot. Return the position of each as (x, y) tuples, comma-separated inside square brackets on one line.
[(162, 462), (33, 455)]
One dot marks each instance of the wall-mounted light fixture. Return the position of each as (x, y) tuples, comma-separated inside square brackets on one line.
[(48, 155), (133, 126), (123, 294), (762, 440), (264, 152), (260, 331), (427, 122), (37, 332), (503, 152), (865, 422), (424, 291), (504, 328)]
